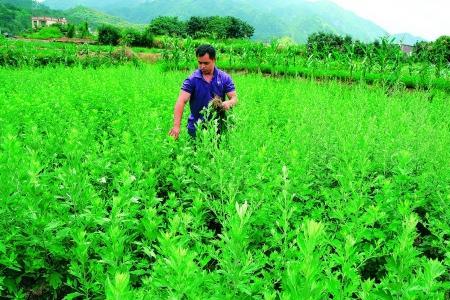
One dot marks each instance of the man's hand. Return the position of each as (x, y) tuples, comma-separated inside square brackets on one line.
[(183, 98), (232, 100), (226, 105), (174, 132)]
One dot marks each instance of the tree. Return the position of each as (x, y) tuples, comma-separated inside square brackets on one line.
[(83, 30), (132, 37), (439, 54), (322, 43), (233, 28), (167, 26), (237, 28), (247, 30), (441, 47), (146, 39), (195, 25), (70, 31), (202, 27), (108, 35)]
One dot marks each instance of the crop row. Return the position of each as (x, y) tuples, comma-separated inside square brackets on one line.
[(23, 53), (385, 63)]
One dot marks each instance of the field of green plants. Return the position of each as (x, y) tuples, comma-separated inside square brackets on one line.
[(318, 190), (19, 53), (381, 62), (352, 61)]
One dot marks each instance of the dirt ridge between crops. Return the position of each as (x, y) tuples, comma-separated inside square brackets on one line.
[(59, 40)]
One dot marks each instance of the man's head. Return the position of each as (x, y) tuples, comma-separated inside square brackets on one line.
[(206, 56)]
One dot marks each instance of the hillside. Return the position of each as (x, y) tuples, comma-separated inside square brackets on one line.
[(16, 18), (15, 15), (95, 18), (67, 4), (18, 3), (293, 18), (13, 19), (406, 38)]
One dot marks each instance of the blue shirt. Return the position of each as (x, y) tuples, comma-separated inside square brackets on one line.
[(202, 92)]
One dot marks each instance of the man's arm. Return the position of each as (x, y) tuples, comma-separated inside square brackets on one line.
[(232, 100), (183, 98)]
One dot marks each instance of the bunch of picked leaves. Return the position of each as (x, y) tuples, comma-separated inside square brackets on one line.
[(215, 107), (217, 104)]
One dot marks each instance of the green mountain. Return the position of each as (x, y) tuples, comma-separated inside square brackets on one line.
[(19, 3), (15, 16), (13, 19), (66, 4), (406, 38), (293, 18), (95, 18)]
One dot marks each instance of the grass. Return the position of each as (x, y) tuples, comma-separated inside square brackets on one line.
[(45, 33), (318, 190)]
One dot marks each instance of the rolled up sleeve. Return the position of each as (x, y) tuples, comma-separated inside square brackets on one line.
[(187, 86), (228, 85)]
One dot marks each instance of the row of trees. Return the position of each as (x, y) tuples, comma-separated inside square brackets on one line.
[(110, 35), (202, 27), (196, 27), (75, 31), (107, 34), (58, 31)]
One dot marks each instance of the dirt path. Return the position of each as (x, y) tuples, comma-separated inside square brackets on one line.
[(149, 57), (60, 40)]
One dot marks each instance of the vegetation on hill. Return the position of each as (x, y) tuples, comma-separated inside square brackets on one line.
[(49, 32), (16, 17), (96, 18), (13, 19), (271, 19), (215, 27), (27, 4), (406, 38)]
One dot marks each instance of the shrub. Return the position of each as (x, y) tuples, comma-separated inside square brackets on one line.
[(170, 26), (132, 37), (146, 39), (108, 35), (46, 33), (83, 30), (71, 31)]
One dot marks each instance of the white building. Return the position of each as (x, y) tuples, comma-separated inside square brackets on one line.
[(46, 21), (407, 49)]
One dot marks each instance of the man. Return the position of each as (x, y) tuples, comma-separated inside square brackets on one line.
[(206, 83)]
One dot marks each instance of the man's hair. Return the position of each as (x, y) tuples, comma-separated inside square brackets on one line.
[(203, 49)]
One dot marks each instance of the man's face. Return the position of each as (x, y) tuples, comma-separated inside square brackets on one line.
[(206, 64)]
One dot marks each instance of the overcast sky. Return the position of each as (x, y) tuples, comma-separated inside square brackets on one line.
[(428, 19)]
